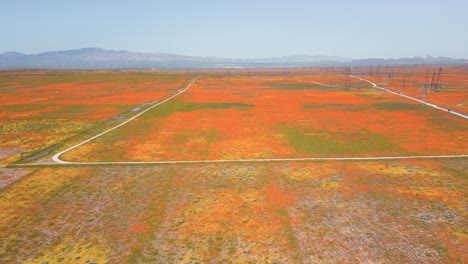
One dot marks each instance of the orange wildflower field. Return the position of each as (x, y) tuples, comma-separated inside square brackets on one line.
[(245, 117), (39, 109), (374, 211)]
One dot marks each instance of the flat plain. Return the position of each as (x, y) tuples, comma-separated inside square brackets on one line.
[(377, 211)]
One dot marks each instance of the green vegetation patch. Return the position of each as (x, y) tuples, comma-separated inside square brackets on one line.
[(174, 106), (375, 95), (82, 111), (42, 126), (62, 111), (301, 86), (81, 77), (181, 138), (24, 107), (332, 144), (445, 122), (184, 138), (397, 106), (335, 107), (311, 106)]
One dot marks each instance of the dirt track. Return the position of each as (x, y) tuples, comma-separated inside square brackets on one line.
[(57, 160)]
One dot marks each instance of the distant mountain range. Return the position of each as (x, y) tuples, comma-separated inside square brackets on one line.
[(97, 58)]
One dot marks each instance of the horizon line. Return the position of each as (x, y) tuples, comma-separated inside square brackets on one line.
[(237, 58)]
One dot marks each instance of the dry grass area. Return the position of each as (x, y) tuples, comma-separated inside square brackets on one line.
[(407, 211), (319, 212)]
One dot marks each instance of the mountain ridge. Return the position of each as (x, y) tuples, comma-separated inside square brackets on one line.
[(98, 58)]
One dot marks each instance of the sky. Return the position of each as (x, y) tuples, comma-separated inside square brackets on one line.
[(240, 28)]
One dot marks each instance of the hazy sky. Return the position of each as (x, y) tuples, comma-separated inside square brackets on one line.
[(240, 28)]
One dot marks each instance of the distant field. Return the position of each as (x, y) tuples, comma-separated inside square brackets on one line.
[(451, 91), (392, 211), (279, 117), (41, 109)]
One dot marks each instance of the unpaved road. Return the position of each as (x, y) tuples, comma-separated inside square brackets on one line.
[(58, 161), (412, 98), (162, 162), (56, 157)]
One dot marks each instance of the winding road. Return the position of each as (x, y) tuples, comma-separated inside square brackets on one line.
[(56, 157), (374, 85), (57, 161)]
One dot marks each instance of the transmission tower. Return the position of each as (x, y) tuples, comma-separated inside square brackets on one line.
[(425, 83), (347, 73), (404, 81), (357, 80), (432, 82), (437, 84)]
